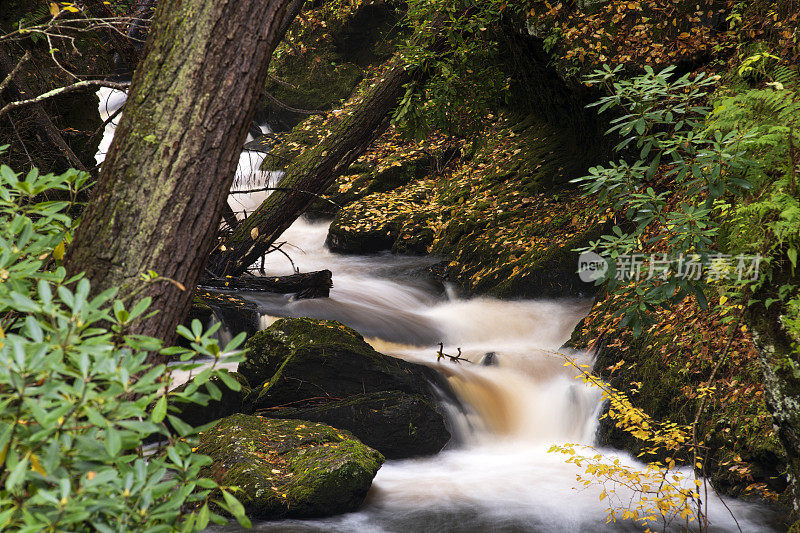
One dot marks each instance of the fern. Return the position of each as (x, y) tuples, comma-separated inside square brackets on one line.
[(786, 76), (37, 15), (773, 115)]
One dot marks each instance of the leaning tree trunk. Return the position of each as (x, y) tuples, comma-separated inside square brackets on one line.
[(310, 175), (165, 180)]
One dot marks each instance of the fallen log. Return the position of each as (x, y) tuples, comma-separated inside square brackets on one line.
[(303, 286)]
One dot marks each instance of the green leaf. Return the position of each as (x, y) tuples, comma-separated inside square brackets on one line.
[(160, 410)]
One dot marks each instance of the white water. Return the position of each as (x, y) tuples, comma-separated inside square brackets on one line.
[(498, 476)]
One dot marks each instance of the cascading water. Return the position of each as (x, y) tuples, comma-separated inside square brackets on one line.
[(499, 476)]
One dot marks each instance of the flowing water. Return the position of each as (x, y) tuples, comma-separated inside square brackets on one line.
[(497, 474)]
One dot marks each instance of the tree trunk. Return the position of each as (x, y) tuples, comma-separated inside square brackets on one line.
[(310, 175), (164, 182), (307, 285)]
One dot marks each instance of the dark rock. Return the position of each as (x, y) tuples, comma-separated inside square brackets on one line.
[(489, 359), (230, 402), (324, 371), (289, 467), (397, 424), (301, 361), (236, 313)]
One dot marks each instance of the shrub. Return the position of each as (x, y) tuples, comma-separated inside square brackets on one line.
[(87, 437)]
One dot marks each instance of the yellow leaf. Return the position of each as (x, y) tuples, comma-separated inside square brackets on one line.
[(54, 9), (36, 466), (58, 251)]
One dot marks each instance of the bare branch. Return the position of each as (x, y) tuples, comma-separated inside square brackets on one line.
[(279, 81), (286, 189), (294, 109), (14, 72), (63, 90)]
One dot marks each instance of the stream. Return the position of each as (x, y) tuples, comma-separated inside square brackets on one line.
[(497, 474)]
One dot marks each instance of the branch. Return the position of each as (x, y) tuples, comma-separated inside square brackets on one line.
[(279, 81), (453, 358), (286, 189), (294, 109), (14, 72), (63, 90)]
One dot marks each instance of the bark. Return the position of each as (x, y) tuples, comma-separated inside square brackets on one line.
[(307, 285), (164, 182), (311, 174), (17, 89)]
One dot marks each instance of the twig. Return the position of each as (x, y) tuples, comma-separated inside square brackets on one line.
[(453, 358), (102, 127), (262, 189), (14, 72), (281, 82), (294, 109), (63, 90)]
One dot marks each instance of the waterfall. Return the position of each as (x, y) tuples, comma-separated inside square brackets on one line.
[(500, 477)]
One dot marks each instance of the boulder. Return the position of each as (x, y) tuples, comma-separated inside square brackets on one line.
[(230, 402), (324, 371), (304, 360), (397, 424), (289, 468)]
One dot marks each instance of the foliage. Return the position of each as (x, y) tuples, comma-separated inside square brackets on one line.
[(670, 196), (457, 44), (660, 491), (88, 435)]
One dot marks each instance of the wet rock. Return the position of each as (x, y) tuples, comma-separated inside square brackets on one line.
[(385, 221), (489, 359), (347, 236), (230, 402), (303, 360), (397, 424), (289, 468), (236, 313), (325, 371)]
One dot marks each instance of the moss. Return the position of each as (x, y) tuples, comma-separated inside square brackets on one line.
[(289, 467), (302, 361), (325, 58), (661, 371)]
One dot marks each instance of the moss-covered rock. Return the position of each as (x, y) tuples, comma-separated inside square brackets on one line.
[(380, 220), (662, 370), (301, 361), (359, 182), (397, 424), (289, 467)]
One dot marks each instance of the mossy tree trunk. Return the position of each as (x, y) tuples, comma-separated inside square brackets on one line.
[(311, 174), (780, 361), (164, 182)]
